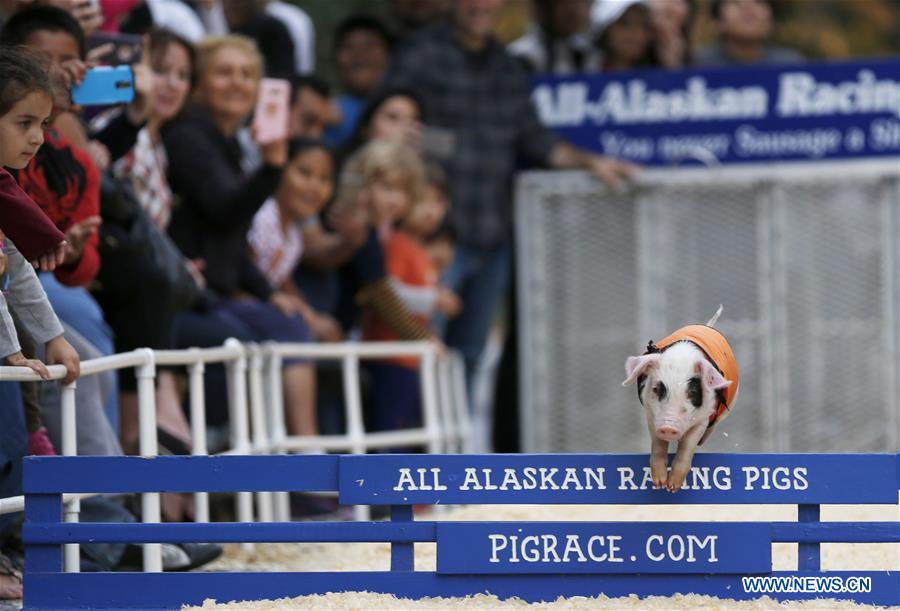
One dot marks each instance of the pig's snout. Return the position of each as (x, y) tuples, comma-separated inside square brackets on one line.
[(667, 432)]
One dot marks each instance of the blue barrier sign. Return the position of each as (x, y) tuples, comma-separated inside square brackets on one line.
[(751, 114), (602, 547), (400, 479)]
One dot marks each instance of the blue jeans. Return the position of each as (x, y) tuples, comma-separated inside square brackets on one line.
[(75, 307), (246, 320), (395, 397), (93, 431), (13, 446), (480, 276)]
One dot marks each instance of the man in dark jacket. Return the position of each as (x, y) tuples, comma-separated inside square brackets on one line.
[(478, 94)]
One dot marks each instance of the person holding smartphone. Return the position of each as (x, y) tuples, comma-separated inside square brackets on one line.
[(149, 320), (88, 13), (67, 21), (219, 199)]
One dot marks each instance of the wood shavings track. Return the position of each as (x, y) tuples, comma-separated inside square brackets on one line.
[(376, 557)]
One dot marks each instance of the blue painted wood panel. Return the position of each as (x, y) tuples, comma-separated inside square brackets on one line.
[(180, 473), (807, 480), (403, 555), (121, 591), (616, 478), (604, 547), (364, 532), (231, 532), (43, 509), (499, 478), (836, 532)]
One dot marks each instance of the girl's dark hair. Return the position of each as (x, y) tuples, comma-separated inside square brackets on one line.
[(650, 58), (300, 145), (308, 81), (161, 39), (358, 22), (21, 73), (358, 137), (544, 18)]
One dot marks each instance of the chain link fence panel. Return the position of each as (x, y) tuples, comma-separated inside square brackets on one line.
[(805, 259)]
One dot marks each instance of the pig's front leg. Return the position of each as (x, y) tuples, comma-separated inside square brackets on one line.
[(659, 459), (681, 464)]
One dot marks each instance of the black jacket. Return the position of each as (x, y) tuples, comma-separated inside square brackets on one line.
[(216, 202)]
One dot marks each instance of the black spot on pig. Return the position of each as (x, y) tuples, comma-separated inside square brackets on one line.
[(642, 380), (661, 391), (695, 392)]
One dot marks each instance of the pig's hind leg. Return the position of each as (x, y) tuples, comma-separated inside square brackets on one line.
[(684, 456)]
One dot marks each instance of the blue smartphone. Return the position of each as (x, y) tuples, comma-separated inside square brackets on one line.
[(104, 86)]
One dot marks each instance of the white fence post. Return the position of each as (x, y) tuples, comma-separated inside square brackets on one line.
[(353, 409), (430, 413), (198, 431), (146, 376), (461, 402), (71, 558), (275, 421), (445, 406), (240, 435), (258, 425)]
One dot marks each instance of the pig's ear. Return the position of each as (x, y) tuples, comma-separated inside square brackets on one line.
[(710, 376), (636, 366)]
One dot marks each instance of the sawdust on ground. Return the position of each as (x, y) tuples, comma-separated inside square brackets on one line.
[(376, 557)]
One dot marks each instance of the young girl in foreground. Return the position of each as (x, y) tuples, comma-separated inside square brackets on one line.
[(25, 106)]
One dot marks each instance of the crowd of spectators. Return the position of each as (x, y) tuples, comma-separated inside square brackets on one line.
[(385, 214)]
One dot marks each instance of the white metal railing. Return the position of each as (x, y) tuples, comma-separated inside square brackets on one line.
[(257, 425)]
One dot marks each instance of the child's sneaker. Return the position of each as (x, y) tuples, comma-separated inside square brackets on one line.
[(39, 444)]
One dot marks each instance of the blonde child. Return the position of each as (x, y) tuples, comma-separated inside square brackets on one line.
[(393, 176), (379, 182), (425, 226)]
